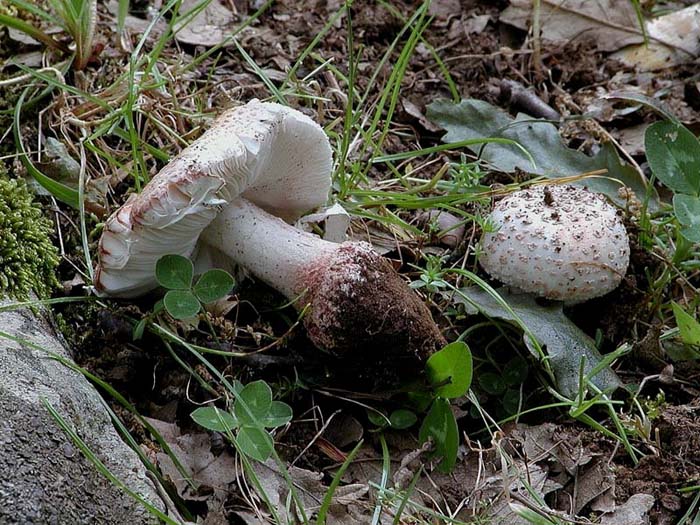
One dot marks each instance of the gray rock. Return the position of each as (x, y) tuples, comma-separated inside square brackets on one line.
[(44, 478)]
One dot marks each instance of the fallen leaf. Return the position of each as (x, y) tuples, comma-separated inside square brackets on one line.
[(210, 27), (550, 442), (135, 25), (564, 343), (58, 163), (21, 37), (635, 511), (476, 24), (308, 484), (475, 119), (31, 59), (610, 24), (414, 111), (210, 475), (525, 480), (673, 39), (632, 139), (444, 8), (344, 430), (592, 482)]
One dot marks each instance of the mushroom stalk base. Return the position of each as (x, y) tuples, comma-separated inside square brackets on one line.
[(357, 304)]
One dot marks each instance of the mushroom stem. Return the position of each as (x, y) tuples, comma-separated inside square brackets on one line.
[(358, 305), (274, 251)]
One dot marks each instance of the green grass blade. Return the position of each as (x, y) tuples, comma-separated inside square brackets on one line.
[(60, 191), (30, 30), (386, 470), (260, 73), (328, 496)]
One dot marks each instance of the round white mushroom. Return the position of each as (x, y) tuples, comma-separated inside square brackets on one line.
[(559, 242)]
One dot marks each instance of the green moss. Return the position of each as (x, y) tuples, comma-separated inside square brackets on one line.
[(28, 259)]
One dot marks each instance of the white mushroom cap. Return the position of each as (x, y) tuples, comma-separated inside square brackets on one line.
[(272, 155), (558, 242)]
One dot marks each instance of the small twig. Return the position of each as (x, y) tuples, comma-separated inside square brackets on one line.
[(519, 96), (315, 438), (536, 38)]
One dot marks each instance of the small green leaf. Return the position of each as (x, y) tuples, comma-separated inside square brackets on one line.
[(492, 383), (420, 400), (214, 419), (515, 371), (687, 210), (139, 329), (279, 414), (673, 153), (441, 426), (174, 272), (255, 443), (450, 370), (402, 418), (378, 419), (254, 403), (687, 324), (213, 285), (181, 304), (511, 401)]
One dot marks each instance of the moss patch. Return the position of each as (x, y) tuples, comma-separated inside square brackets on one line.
[(28, 258)]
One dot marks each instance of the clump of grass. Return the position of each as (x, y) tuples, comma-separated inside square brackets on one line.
[(28, 258)]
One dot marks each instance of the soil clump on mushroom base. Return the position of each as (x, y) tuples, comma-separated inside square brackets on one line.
[(346, 293)]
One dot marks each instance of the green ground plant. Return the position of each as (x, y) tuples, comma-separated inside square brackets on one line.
[(28, 257), (252, 409), (76, 17), (673, 152), (184, 297)]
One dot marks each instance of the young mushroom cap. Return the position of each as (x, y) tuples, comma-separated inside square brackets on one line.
[(230, 190), (559, 242)]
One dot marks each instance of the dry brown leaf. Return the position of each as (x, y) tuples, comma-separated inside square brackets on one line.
[(212, 474), (592, 482), (21, 37), (632, 139), (210, 27), (308, 485), (674, 40), (633, 512), (610, 24), (442, 9), (476, 24)]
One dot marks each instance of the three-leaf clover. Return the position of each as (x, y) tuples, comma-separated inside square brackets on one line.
[(183, 300), (253, 412)]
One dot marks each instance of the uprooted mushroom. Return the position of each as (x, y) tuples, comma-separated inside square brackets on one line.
[(228, 192), (557, 241)]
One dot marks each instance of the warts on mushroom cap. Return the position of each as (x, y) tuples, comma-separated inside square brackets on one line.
[(558, 242)]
